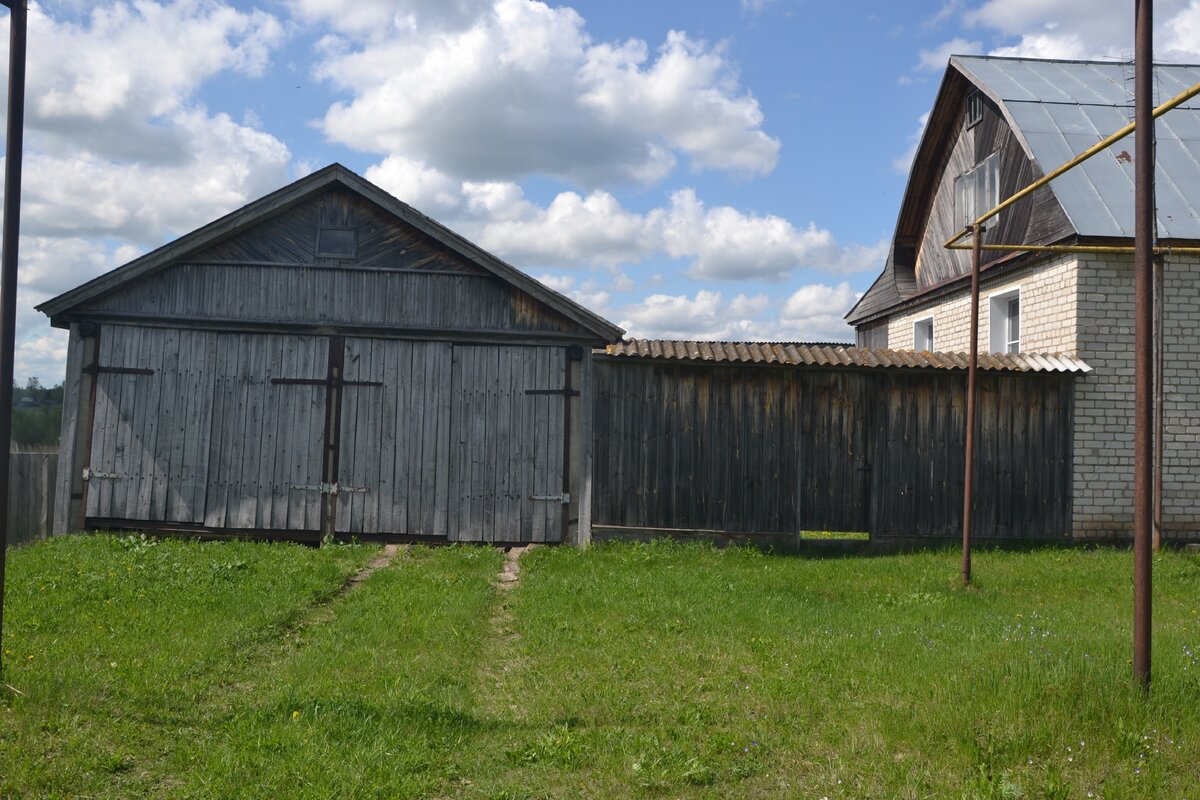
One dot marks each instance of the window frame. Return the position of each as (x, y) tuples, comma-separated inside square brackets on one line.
[(920, 326), (974, 110), (319, 253), (1001, 321), (982, 184)]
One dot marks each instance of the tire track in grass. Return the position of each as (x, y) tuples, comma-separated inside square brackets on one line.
[(234, 677), (500, 653)]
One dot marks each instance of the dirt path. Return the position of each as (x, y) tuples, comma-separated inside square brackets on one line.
[(501, 653), (380, 561)]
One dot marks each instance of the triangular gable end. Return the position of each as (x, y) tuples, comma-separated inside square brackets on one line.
[(331, 219)]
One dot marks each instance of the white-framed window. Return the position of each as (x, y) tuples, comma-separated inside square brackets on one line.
[(923, 334), (1004, 321), (974, 109), (977, 191)]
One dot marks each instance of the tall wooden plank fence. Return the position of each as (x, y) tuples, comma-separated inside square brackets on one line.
[(30, 495), (775, 450)]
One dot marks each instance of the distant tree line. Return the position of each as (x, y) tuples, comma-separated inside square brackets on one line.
[(36, 414)]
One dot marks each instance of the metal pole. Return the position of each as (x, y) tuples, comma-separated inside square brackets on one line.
[(1143, 349), (973, 365), (8, 262)]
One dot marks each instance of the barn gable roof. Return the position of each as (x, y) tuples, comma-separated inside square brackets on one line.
[(298, 192)]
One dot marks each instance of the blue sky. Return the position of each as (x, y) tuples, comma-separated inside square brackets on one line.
[(727, 169)]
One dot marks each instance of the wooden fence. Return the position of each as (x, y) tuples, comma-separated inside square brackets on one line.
[(761, 450), (747, 449), (30, 495)]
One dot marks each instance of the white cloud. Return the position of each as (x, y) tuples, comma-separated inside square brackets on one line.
[(421, 186), (811, 313), (107, 83), (755, 6), (573, 230), (84, 194), (1083, 29), (935, 60), (119, 154), (596, 230), (41, 355), (903, 163), (379, 18), (551, 101), (726, 243)]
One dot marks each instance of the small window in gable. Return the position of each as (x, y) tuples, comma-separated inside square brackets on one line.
[(923, 334), (977, 191), (974, 109), (1004, 323), (337, 242)]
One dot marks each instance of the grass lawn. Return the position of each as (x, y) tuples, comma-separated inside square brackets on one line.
[(174, 669)]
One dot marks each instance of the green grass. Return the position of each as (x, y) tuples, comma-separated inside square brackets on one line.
[(117, 644), (623, 671)]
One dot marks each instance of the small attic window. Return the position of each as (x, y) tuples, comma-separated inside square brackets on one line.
[(337, 242), (974, 109)]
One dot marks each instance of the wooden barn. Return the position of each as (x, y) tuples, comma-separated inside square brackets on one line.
[(327, 360)]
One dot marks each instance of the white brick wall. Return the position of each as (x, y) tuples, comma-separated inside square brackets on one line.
[(1083, 305), (1104, 399), (1048, 298)]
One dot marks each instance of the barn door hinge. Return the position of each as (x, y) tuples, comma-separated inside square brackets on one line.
[(564, 498), (96, 369), (561, 392), (88, 474), (330, 488)]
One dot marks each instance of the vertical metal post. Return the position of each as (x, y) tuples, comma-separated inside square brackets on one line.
[(1143, 350), (973, 366), (8, 267)]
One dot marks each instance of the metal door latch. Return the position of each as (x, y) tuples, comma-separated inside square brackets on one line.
[(564, 498), (330, 488), (88, 474)]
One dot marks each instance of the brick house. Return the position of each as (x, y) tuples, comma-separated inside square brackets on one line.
[(997, 125)]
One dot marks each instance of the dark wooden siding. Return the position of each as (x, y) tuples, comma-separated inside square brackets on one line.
[(332, 296), (216, 430), (728, 448), (873, 335), (383, 240), (748, 449), (1035, 220), (204, 437), (270, 275)]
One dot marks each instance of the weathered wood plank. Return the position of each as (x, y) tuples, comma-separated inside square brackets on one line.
[(74, 420), (441, 407)]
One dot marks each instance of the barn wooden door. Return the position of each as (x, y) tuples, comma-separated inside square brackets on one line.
[(267, 436), (125, 466), (394, 438), (190, 428), (508, 425)]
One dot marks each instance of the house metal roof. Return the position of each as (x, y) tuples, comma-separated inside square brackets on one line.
[(1060, 108), (834, 355)]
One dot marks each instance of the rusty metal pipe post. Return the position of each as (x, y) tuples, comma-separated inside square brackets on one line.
[(8, 264), (972, 368), (1145, 228)]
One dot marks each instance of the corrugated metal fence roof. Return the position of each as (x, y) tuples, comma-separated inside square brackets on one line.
[(831, 355)]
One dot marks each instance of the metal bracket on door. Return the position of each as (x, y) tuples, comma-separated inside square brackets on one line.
[(564, 498), (88, 474), (330, 488)]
